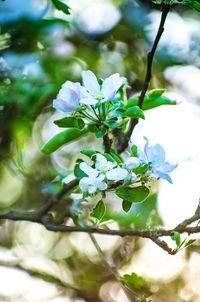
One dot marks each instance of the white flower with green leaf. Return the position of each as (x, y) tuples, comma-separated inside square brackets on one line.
[(98, 177)]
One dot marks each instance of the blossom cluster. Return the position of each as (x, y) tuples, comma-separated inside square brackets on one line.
[(106, 172), (91, 93), (149, 165)]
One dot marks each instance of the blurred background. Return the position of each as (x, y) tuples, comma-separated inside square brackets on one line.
[(41, 48)]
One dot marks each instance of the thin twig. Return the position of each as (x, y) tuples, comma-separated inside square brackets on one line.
[(113, 271), (165, 10)]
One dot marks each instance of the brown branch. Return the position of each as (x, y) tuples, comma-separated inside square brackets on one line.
[(164, 245), (36, 216), (46, 219), (123, 144), (107, 143)]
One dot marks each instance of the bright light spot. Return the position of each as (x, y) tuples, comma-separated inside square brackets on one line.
[(95, 17)]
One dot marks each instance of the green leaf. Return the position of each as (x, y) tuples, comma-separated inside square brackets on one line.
[(116, 156), (133, 195), (70, 122), (141, 169), (62, 138), (195, 5), (111, 123), (177, 238), (92, 127), (99, 210), (126, 205), (109, 157), (77, 171), (189, 242), (101, 132), (191, 3), (137, 284), (134, 112), (154, 99), (61, 6), (134, 149), (89, 153), (156, 93)]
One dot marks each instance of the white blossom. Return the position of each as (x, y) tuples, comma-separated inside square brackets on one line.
[(68, 97), (91, 184), (155, 156), (92, 92), (98, 177), (117, 174)]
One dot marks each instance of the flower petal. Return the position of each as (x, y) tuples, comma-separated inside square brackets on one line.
[(155, 154), (68, 97), (162, 175), (132, 163), (88, 170), (88, 101), (92, 189), (133, 177), (101, 161), (117, 174), (167, 167), (101, 185), (90, 82), (110, 86), (84, 183), (63, 106)]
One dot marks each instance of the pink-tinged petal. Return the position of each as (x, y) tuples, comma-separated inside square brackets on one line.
[(90, 82), (117, 174), (88, 101), (67, 99), (110, 86), (63, 106)]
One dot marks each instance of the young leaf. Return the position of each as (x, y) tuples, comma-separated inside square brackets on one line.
[(101, 132), (99, 210), (134, 112), (137, 284), (62, 138), (126, 205), (70, 122), (61, 6), (77, 171), (191, 3), (134, 150), (177, 238), (111, 123), (189, 242), (133, 195), (92, 127), (116, 156), (89, 153), (141, 169), (154, 99)]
